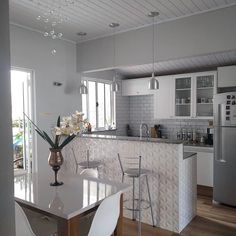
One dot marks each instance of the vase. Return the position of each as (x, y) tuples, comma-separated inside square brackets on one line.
[(55, 160)]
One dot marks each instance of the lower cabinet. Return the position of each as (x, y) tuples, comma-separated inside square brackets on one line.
[(205, 161), (205, 169)]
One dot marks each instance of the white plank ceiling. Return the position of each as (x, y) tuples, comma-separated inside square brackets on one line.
[(184, 65), (94, 16)]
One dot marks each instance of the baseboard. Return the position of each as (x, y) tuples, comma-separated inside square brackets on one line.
[(204, 191)]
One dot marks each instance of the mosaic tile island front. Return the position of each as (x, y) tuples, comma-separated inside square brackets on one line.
[(172, 180)]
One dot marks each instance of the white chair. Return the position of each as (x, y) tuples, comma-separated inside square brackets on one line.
[(106, 216), (89, 173), (23, 227)]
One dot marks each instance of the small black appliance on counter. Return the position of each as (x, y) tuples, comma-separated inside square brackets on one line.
[(210, 133)]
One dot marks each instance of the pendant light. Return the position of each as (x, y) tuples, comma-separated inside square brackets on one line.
[(114, 84), (153, 82), (82, 88)]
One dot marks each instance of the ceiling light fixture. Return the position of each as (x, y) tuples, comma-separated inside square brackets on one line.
[(82, 88), (114, 84), (153, 82), (52, 16)]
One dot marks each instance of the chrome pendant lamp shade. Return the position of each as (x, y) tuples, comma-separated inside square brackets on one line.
[(153, 82), (83, 89), (114, 85)]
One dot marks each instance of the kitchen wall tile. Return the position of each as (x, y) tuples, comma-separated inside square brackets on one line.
[(136, 109)]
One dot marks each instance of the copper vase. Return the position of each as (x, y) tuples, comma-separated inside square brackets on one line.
[(55, 160)]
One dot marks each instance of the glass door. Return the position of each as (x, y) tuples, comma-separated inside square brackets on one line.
[(204, 93), (183, 96), (21, 96)]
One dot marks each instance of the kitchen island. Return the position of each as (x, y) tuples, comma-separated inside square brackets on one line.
[(172, 179)]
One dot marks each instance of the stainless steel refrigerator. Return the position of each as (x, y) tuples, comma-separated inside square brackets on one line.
[(224, 190)]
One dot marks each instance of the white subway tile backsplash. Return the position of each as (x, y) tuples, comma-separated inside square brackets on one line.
[(136, 109)]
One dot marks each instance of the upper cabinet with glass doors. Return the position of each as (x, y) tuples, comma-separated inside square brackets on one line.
[(194, 95), (205, 88), (183, 96)]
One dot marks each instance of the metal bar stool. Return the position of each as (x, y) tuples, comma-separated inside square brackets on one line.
[(133, 170), (86, 164)]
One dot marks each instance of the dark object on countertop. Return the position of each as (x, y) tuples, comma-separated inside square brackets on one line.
[(210, 132), (158, 131), (89, 128), (128, 130)]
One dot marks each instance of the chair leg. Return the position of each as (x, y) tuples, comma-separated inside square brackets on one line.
[(139, 207), (133, 217), (149, 196)]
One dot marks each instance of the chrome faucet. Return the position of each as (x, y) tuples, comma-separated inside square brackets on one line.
[(142, 125)]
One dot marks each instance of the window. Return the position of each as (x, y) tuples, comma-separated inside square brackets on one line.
[(99, 104)]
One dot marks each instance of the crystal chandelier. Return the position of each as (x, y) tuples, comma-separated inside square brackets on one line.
[(52, 17)]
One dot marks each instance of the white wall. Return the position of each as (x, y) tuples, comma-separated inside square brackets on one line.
[(200, 34), (7, 225), (33, 51)]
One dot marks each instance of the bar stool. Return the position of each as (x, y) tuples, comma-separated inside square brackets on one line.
[(133, 170), (86, 164)]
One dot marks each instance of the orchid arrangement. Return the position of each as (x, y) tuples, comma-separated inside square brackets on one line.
[(68, 128)]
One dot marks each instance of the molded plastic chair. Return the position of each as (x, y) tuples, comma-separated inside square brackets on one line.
[(106, 217), (89, 173), (23, 227)]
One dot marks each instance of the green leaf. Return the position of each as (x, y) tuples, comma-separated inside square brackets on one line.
[(67, 140), (57, 140), (40, 134), (33, 123), (48, 139), (59, 121)]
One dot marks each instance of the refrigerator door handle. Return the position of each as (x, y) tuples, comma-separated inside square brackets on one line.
[(219, 157)]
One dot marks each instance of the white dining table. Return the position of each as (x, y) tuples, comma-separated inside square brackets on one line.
[(69, 202)]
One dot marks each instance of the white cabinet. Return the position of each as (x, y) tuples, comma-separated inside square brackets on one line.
[(183, 91), (205, 161), (178, 96), (134, 87), (164, 98), (205, 88), (205, 169), (185, 96), (226, 76), (194, 95)]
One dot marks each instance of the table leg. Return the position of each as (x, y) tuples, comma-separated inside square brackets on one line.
[(68, 227), (119, 227)]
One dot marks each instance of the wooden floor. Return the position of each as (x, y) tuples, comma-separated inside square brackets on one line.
[(211, 220)]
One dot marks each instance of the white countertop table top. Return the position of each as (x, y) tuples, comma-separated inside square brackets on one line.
[(76, 196)]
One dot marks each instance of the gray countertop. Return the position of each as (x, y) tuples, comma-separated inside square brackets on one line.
[(127, 138), (189, 154), (198, 145)]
